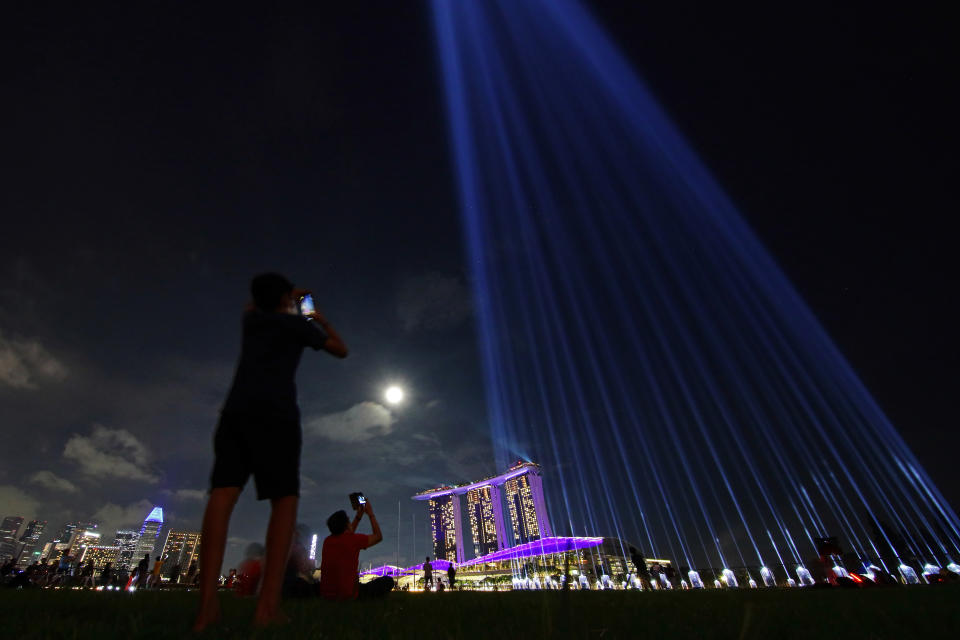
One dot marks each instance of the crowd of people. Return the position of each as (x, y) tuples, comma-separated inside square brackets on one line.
[(68, 571)]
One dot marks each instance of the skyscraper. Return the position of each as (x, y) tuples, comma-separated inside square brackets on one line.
[(522, 489), (100, 555), (81, 539), (528, 511), (445, 524), (68, 529), (30, 540), (127, 541), (180, 550), (8, 537), (149, 532), (483, 509), (53, 551)]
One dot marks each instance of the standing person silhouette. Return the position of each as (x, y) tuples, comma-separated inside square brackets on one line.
[(154, 580), (427, 574), (259, 434), (143, 571)]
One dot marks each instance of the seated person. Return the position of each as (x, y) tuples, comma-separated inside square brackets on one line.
[(249, 572), (298, 578), (340, 558)]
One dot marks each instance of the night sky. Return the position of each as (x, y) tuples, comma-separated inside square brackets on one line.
[(156, 157)]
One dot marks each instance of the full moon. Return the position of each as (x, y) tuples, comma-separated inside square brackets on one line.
[(394, 395)]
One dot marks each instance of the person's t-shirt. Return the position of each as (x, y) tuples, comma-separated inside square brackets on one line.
[(339, 562), (427, 570), (272, 345)]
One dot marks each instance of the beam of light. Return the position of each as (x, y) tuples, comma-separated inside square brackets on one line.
[(909, 574), (636, 338), (767, 576), (803, 575)]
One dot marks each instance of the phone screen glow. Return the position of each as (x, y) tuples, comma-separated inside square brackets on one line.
[(306, 305)]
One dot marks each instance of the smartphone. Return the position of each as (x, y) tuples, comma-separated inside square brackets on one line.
[(306, 306), (357, 500)]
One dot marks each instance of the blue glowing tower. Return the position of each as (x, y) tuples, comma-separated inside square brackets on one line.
[(149, 533)]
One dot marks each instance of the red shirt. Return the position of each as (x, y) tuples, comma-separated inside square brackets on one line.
[(339, 564), (248, 577)]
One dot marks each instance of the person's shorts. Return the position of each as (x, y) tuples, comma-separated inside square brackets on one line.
[(265, 446)]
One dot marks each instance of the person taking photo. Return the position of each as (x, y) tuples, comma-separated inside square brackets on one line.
[(259, 434)]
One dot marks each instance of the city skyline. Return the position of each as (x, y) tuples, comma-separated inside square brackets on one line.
[(80, 539)]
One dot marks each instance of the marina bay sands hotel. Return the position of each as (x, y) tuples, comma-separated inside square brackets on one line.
[(522, 489)]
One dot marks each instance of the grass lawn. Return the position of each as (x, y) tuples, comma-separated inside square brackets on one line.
[(922, 612)]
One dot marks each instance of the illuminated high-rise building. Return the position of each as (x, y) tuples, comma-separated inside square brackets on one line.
[(8, 537), (486, 523), (82, 539), (100, 555), (149, 533), (127, 541), (180, 550), (524, 495), (521, 487), (53, 551), (30, 541), (67, 530), (445, 524)]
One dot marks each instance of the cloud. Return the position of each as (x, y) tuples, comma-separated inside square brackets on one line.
[(360, 422), (308, 486), (433, 301), (14, 502), (112, 453), (52, 481), (24, 362), (111, 517), (189, 494)]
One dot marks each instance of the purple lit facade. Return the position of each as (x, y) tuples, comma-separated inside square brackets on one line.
[(518, 469), (446, 527), (528, 512), (483, 504), (385, 570), (543, 547)]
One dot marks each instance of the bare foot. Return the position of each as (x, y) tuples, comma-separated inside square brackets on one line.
[(206, 617), (270, 619)]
